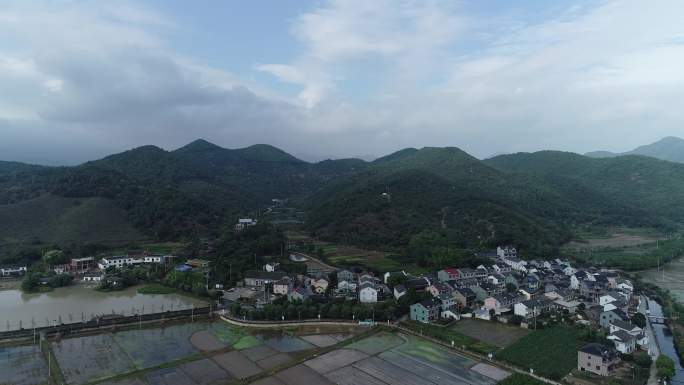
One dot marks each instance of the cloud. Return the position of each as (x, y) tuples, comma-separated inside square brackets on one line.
[(369, 77)]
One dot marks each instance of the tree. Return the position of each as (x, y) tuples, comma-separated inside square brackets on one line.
[(639, 320), (665, 367)]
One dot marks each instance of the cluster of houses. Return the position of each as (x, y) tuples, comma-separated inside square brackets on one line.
[(364, 287), (510, 286)]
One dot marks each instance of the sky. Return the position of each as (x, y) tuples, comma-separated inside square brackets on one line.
[(331, 79)]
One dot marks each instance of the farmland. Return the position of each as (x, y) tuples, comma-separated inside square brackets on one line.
[(449, 335), (191, 353), (550, 352), (493, 333)]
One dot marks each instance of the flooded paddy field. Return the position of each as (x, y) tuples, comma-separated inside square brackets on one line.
[(22, 365), (388, 359), (200, 353)]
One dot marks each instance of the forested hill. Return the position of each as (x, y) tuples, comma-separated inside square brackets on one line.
[(534, 200), (170, 194)]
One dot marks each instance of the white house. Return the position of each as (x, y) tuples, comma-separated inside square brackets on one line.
[(515, 263), (368, 293), (606, 299), (506, 252), (244, 223), (569, 270), (129, 260), (6, 271), (631, 329), (282, 286), (625, 343), (93, 277)]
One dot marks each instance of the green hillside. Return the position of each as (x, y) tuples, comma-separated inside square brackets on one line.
[(53, 219)]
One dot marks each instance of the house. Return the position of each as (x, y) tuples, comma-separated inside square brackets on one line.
[(631, 329), (346, 275), (244, 223), (516, 264), (438, 288), (368, 293), (399, 291), (448, 274), (80, 265), (418, 284), (570, 306), (577, 278), (282, 286), (298, 294), (12, 270), (624, 284), (319, 286), (262, 278), (506, 252), (598, 359), (625, 343), (426, 311), (464, 297), (448, 302), (501, 302), (346, 286), (93, 277), (608, 317), (271, 267), (465, 273), (607, 298), (531, 308)]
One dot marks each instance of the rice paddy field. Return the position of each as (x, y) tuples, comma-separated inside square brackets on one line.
[(388, 359), (213, 353), (22, 365), (201, 353)]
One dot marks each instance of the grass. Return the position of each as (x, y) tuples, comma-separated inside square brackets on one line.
[(448, 336), (155, 288), (635, 257), (550, 352)]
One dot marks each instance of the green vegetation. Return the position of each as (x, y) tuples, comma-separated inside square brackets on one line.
[(636, 257), (447, 335), (665, 367), (520, 379), (35, 281), (550, 352), (155, 288), (337, 309)]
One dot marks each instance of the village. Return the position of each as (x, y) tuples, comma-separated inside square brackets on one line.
[(507, 290)]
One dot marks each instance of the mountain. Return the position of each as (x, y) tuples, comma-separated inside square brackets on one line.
[(195, 189), (534, 200), (670, 148)]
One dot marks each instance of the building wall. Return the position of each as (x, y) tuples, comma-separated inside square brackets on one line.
[(591, 363)]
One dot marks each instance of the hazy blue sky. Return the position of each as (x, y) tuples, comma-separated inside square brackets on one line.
[(79, 80)]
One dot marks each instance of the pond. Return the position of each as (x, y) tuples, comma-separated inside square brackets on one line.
[(77, 303)]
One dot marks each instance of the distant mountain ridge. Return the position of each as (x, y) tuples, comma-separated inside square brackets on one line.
[(536, 200), (670, 148)]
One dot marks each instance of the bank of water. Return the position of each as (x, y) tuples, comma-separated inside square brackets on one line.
[(666, 341), (77, 303)]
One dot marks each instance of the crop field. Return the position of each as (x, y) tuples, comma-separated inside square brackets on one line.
[(283, 342), (22, 365), (152, 347), (493, 333), (377, 343), (88, 358), (550, 352), (389, 359)]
